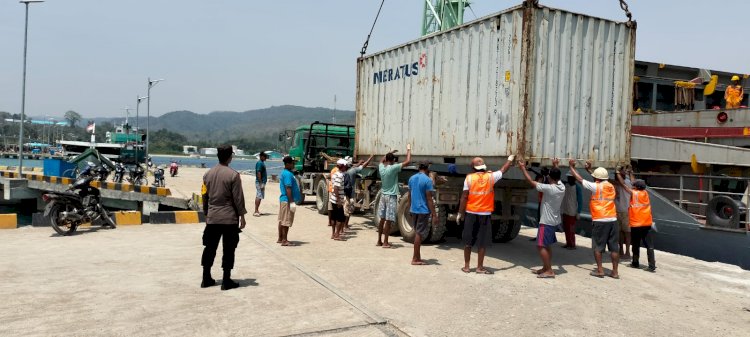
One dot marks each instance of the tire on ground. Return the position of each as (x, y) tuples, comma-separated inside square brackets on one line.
[(321, 197), (505, 230), (724, 212), (406, 225)]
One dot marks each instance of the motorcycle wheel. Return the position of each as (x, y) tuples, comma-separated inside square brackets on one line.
[(61, 226), (107, 219), (142, 182)]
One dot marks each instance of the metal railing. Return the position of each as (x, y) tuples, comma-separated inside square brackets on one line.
[(693, 193)]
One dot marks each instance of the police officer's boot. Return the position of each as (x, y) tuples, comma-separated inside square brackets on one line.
[(227, 282), (208, 281)]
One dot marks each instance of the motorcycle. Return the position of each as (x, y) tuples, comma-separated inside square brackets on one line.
[(119, 173), (159, 177), (100, 173), (137, 176), (79, 204), (173, 169)]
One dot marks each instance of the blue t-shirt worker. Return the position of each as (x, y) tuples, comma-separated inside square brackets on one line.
[(287, 208), (261, 177), (421, 191)]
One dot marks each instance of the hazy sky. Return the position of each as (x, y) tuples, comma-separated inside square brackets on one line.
[(94, 56)]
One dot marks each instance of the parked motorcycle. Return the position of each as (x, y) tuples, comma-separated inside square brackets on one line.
[(159, 177), (173, 167), (79, 204), (119, 173), (137, 176)]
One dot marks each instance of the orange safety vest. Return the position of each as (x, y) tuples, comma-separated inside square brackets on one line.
[(330, 181), (733, 96), (603, 202), (481, 192), (640, 209)]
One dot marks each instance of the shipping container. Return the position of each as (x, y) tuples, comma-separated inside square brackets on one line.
[(531, 80)]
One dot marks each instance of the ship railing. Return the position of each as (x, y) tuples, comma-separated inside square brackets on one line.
[(693, 193)]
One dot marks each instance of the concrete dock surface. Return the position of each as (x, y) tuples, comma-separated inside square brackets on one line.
[(144, 280)]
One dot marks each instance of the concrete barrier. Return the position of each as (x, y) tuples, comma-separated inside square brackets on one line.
[(160, 191), (127, 218), (8, 221), (176, 217)]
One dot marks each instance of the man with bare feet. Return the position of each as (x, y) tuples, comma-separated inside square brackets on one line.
[(605, 230), (550, 218), (477, 205), (288, 200), (422, 208), (388, 170), (337, 201)]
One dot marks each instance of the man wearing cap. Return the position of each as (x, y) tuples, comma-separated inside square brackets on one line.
[(388, 170), (261, 177), (641, 221), (288, 200), (476, 207), (336, 197), (734, 94), (553, 194), (422, 208), (350, 181), (224, 206), (603, 215)]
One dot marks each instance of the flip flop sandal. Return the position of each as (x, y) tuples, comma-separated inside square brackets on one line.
[(466, 270), (386, 246), (595, 274), (484, 271), (545, 276), (537, 272), (616, 277)]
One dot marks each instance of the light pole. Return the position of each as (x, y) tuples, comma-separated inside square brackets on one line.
[(151, 83), (23, 88), (137, 130)]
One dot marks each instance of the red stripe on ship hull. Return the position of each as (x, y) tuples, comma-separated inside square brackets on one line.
[(691, 133)]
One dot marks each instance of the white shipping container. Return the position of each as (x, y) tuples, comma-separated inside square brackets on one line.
[(534, 81)]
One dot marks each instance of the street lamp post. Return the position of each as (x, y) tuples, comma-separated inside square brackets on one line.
[(151, 83), (137, 129), (23, 88)]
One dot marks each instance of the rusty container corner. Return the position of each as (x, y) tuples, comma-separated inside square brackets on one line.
[(534, 81)]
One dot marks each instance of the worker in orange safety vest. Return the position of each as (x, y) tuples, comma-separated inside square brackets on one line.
[(641, 222), (734, 93), (605, 231)]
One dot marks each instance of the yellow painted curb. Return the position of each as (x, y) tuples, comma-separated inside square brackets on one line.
[(8, 221), (128, 218), (186, 217)]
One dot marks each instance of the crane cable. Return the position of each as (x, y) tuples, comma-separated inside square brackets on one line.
[(367, 41), (624, 6)]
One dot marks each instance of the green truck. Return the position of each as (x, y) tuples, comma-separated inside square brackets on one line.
[(311, 146)]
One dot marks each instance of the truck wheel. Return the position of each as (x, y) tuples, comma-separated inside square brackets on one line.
[(504, 231), (404, 219), (406, 225), (299, 185), (724, 212), (321, 197)]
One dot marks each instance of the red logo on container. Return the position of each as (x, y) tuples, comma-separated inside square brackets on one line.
[(423, 60)]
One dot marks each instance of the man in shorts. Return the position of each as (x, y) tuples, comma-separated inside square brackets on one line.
[(336, 198), (550, 218), (389, 170), (261, 177), (350, 182), (603, 216), (422, 208), (477, 205), (622, 203), (288, 200)]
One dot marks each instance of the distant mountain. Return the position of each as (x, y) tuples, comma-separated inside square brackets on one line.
[(251, 124)]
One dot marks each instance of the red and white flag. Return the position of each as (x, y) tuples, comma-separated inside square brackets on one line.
[(91, 127)]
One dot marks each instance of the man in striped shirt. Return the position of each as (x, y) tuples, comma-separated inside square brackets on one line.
[(337, 200)]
